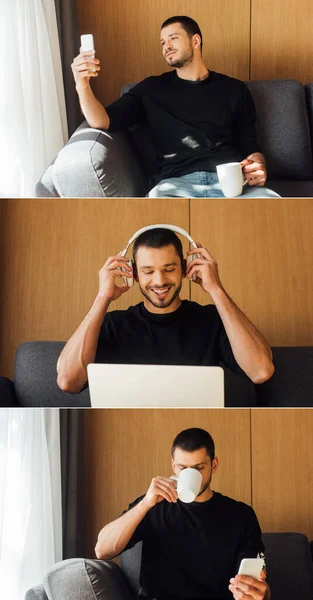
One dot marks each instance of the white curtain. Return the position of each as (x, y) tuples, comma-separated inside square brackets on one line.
[(32, 106), (30, 498)]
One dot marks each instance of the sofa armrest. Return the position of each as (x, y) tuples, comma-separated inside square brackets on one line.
[(36, 593), (45, 186), (8, 397), (95, 163), (86, 579)]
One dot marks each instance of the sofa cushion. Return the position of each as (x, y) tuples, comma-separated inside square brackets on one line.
[(283, 128), (95, 163)]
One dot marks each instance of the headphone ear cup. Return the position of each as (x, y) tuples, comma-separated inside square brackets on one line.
[(129, 281), (191, 257)]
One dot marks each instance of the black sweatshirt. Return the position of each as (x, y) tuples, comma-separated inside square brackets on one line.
[(191, 335), (190, 551), (195, 125)]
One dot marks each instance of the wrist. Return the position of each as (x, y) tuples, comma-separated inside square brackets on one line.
[(102, 300)]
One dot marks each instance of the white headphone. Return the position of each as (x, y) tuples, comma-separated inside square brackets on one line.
[(129, 281)]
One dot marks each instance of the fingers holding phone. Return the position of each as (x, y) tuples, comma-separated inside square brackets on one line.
[(85, 65)]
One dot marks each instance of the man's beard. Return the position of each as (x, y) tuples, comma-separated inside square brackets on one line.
[(183, 61), (205, 486), (160, 304)]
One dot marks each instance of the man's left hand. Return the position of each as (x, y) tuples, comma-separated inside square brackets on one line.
[(254, 169), (205, 269), (243, 587)]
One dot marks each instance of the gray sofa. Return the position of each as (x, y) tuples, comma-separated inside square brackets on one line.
[(289, 566), (95, 163), (35, 381)]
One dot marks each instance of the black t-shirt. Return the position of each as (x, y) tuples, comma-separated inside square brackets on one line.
[(195, 125), (191, 335), (190, 551)]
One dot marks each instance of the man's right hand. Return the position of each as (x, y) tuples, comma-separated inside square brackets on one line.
[(85, 66), (108, 274), (161, 488)]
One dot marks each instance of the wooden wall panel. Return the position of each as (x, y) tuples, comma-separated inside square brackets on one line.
[(282, 471), (281, 39), (127, 37), (124, 449), (264, 249), (51, 251)]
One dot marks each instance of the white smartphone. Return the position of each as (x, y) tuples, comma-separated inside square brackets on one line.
[(251, 567), (86, 42)]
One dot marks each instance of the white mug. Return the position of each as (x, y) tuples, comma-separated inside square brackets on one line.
[(188, 484), (231, 179)]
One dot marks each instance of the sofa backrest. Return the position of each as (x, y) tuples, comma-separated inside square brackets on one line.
[(283, 129), (288, 559), (35, 377), (292, 383), (290, 386)]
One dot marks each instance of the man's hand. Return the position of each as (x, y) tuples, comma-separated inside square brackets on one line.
[(85, 66), (205, 268), (247, 588), (254, 169), (161, 488), (113, 268)]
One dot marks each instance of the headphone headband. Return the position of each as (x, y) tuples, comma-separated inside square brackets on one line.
[(159, 226)]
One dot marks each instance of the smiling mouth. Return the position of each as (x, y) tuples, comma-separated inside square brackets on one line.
[(160, 292)]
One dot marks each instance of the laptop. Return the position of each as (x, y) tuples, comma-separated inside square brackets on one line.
[(155, 386)]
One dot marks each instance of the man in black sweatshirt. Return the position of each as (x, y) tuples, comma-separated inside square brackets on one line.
[(190, 551), (163, 329), (198, 118)]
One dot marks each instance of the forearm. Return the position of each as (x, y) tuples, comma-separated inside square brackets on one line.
[(92, 109), (113, 538), (81, 348), (250, 349)]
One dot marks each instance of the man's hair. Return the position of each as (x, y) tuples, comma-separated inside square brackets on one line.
[(158, 238), (188, 24), (194, 439)]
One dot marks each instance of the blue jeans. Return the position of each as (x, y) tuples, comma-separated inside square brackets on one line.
[(202, 184)]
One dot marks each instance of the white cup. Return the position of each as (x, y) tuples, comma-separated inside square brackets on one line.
[(188, 484), (231, 179)]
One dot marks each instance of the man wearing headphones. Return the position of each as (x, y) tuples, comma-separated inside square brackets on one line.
[(197, 118), (190, 549), (163, 329)]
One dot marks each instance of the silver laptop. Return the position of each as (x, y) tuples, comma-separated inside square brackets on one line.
[(154, 386)]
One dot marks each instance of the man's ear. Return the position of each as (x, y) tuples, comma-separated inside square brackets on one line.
[(184, 267), (196, 40), (214, 464), (135, 274)]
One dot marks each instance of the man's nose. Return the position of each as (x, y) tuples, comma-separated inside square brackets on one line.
[(168, 46), (158, 278)]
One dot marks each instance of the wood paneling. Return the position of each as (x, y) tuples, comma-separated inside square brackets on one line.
[(127, 37), (264, 249), (282, 471), (51, 251), (124, 449), (281, 39)]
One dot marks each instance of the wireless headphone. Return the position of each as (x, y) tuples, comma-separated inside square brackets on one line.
[(129, 281)]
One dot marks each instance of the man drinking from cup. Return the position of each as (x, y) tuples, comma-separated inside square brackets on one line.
[(193, 538), (198, 118)]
